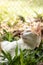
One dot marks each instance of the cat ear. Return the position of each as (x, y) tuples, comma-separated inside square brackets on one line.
[(38, 29)]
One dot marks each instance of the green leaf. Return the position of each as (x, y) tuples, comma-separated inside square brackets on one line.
[(7, 36), (21, 57), (38, 15), (16, 51), (9, 24), (7, 55)]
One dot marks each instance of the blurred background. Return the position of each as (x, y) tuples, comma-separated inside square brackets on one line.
[(20, 7), (9, 9)]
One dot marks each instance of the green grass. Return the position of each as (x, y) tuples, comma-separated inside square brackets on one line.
[(26, 57)]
